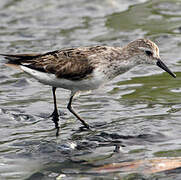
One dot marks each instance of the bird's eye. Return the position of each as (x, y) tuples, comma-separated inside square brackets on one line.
[(148, 53)]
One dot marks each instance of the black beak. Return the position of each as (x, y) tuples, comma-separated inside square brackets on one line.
[(164, 67)]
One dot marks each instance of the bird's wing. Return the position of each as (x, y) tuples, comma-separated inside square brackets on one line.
[(69, 63)]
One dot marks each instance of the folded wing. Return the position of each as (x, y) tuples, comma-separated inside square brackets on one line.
[(71, 64)]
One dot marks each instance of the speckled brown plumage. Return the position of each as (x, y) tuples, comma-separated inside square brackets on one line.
[(85, 68), (74, 64)]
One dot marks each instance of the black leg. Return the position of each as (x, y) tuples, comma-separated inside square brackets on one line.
[(55, 115), (69, 107)]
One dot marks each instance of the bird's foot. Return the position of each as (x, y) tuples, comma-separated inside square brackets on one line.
[(57, 113), (55, 119), (57, 132), (85, 127), (54, 114)]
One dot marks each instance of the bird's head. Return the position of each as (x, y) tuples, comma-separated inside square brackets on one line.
[(145, 51)]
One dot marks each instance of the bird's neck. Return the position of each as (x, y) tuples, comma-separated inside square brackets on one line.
[(120, 63)]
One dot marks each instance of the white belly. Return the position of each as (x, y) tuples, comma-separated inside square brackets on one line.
[(90, 83)]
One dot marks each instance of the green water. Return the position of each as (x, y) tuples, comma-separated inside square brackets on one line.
[(140, 109)]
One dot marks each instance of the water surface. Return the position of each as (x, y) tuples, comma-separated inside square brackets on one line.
[(139, 111)]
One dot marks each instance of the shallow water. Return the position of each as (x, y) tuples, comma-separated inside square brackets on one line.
[(139, 111)]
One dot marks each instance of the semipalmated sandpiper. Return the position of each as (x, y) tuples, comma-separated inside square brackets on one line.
[(85, 68)]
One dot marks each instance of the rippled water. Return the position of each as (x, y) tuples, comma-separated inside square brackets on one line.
[(140, 110)]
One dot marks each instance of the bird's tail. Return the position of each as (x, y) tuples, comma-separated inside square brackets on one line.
[(15, 60), (19, 58)]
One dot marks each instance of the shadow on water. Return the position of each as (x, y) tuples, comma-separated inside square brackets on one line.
[(134, 117)]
